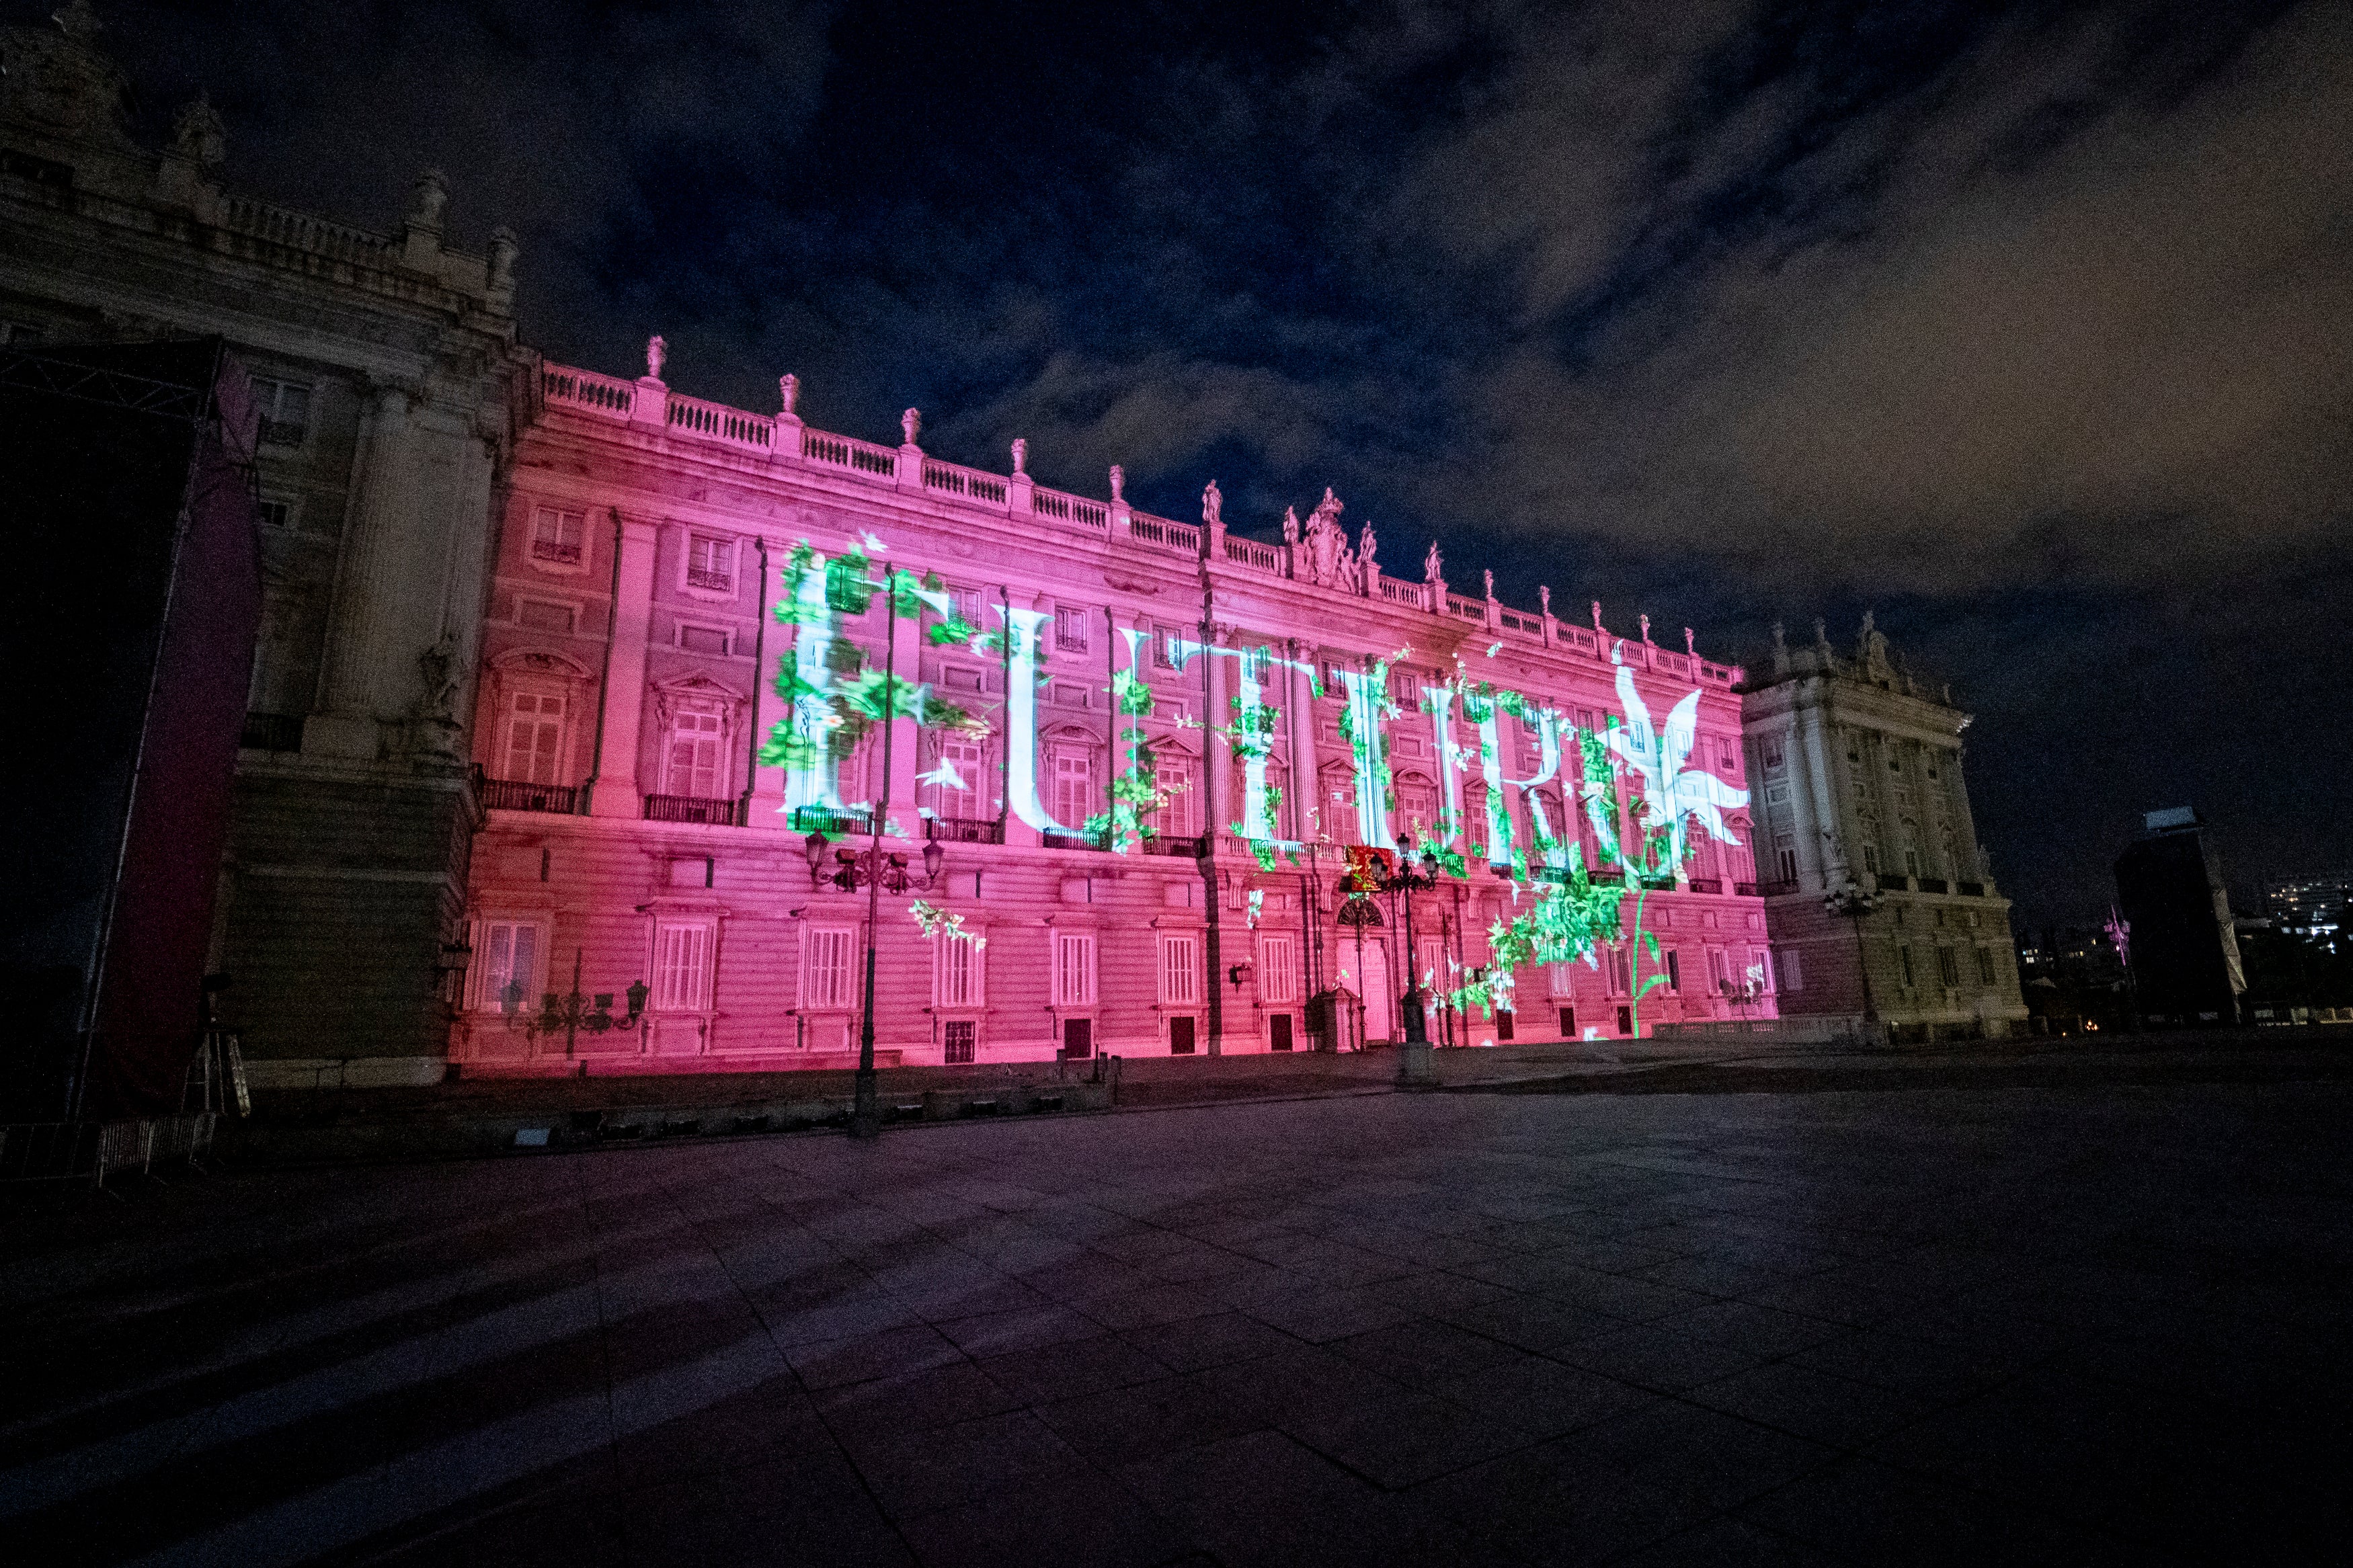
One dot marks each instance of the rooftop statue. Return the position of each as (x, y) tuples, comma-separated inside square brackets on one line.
[(657, 356), (1433, 565), (1213, 505)]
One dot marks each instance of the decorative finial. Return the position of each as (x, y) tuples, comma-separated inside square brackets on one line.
[(1021, 456), (788, 394), (198, 135), (1118, 484), (657, 356), (427, 197), (911, 424), (503, 251), (1213, 505)]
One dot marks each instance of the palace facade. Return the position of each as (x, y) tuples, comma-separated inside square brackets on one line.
[(632, 837)]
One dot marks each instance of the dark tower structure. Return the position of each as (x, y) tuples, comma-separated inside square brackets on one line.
[(2183, 950)]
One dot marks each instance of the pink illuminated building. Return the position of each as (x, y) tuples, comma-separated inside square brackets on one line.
[(628, 674)]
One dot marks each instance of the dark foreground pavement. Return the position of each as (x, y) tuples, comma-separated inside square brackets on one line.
[(2076, 1322)]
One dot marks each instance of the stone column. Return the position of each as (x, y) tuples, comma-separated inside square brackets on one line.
[(1818, 787), (1220, 808), (368, 583), (766, 708), (618, 791), (1305, 781)]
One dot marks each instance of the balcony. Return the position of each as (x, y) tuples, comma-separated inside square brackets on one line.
[(511, 794), (1773, 890), (708, 580), (691, 808), (965, 829), (1932, 884), (1175, 847), (833, 824), (1073, 841), (1707, 884), (1970, 890), (1743, 889), (273, 732), (1889, 883), (563, 552)]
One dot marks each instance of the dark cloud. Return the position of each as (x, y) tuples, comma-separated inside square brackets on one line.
[(2027, 323)]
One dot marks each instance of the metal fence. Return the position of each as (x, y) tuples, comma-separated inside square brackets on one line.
[(89, 1150)]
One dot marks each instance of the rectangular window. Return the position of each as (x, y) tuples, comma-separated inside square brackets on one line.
[(956, 1039), (1785, 860), (1175, 778), (534, 738), (1278, 971), (702, 639), (697, 758), (285, 411), (275, 515), (1948, 968), (1180, 971), (1728, 756), (1719, 978), (1871, 858), (1070, 630), (506, 976), (1074, 969), (1568, 1023), (956, 973), (1771, 748), (1074, 787), (825, 968), (682, 968), (556, 535), (1181, 1035), (968, 606), (710, 563), (1674, 970), (1561, 979), (1621, 981), (1985, 966), (954, 779), (540, 615), (1904, 960), (1790, 972), (1164, 647)]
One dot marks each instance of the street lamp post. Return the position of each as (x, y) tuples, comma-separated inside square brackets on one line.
[(1415, 1068), (865, 1105)]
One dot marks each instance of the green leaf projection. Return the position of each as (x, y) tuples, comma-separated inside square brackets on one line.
[(1642, 801)]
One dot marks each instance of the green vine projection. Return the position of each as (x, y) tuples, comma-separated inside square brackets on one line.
[(831, 709), (1136, 792)]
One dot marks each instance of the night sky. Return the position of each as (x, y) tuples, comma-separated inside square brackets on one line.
[(2028, 326)]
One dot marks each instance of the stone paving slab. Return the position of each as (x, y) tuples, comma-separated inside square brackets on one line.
[(2073, 1325)]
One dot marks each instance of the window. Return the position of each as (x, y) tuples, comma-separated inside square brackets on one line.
[(825, 968), (1985, 966), (1074, 786), (1180, 971), (1174, 777), (1948, 968), (1719, 977), (956, 971), (702, 639), (1074, 969), (848, 590), (682, 967), (556, 535), (507, 978), (1674, 972), (1789, 971), (1904, 960), (275, 515), (534, 739), (954, 782), (1728, 756), (1911, 861), (697, 763), (967, 602), (1620, 976), (1278, 971), (1164, 647), (956, 1039), (1770, 749), (1070, 630), (1785, 858), (710, 563), (1871, 858), (285, 411), (1568, 1023), (540, 615), (1560, 979)]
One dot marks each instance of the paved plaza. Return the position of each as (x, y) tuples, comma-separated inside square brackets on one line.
[(2071, 1324)]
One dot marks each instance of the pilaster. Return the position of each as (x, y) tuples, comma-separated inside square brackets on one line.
[(615, 791), (366, 584)]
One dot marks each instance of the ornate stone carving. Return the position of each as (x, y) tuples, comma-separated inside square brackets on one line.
[(1433, 565), (198, 135), (1213, 504), (425, 200), (910, 423), (1118, 485), (788, 394), (503, 251), (1367, 542), (1290, 525), (1021, 456), (1331, 563), (657, 356)]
